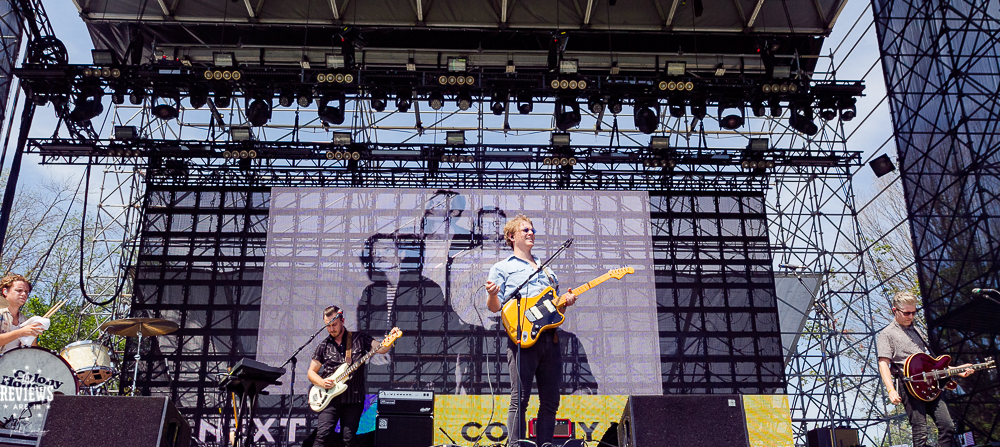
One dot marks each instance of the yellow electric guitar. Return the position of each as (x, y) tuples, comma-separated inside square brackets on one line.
[(320, 397), (545, 310)]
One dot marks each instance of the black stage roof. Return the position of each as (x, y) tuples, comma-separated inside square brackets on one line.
[(633, 35)]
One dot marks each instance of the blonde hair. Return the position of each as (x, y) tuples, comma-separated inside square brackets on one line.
[(512, 227), (9, 279), (903, 298)]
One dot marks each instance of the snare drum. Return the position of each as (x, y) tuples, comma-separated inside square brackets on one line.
[(91, 361), (29, 378)]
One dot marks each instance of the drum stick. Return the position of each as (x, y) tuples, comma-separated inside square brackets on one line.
[(54, 309)]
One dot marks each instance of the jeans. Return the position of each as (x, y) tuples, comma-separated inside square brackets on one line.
[(349, 416), (542, 361), (918, 411)]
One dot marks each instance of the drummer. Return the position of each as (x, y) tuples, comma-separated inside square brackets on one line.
[(15, 289)]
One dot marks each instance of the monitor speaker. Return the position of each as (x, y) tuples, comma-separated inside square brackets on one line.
[(832, 437), (97, 421), (689, 420), (394, 430)]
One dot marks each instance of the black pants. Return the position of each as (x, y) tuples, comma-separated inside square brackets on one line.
[(918, 411), (349, 416), (542, 361)]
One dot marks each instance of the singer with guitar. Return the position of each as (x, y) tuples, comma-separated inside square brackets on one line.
[(543, 359), (342, 346), (897, 343)]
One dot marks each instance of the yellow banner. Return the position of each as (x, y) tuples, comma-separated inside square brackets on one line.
[(769, 420), (466, 418)]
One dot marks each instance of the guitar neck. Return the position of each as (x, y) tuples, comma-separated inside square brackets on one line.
[(579, 290), (354, 366)]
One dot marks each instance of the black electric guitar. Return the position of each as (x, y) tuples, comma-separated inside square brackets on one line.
[(926, 376)]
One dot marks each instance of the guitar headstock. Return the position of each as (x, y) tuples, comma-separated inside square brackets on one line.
[(619, 273), (394, 334)]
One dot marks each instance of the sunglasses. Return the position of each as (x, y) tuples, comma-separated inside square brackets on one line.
[(528, 230), (907, 314)]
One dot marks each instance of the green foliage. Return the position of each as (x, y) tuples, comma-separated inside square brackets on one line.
[(66, 324)]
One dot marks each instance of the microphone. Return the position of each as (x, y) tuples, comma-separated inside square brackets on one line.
[(568, 242), (792, 266), (982, 291)]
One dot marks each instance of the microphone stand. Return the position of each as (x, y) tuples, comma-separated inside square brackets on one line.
[(516, 294), (291, 390)]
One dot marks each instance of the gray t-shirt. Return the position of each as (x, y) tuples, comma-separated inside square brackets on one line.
[(897, 342)]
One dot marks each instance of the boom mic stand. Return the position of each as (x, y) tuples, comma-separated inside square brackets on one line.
[(291, 389), (517, 356)]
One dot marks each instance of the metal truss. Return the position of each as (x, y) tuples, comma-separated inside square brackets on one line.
[(806, 181), (10, 46), (940, 60)]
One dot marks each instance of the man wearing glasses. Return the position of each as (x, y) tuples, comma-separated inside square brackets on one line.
[(543, 359), (896, 343)]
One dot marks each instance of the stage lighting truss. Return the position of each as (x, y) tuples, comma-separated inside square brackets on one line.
[(682, 94)]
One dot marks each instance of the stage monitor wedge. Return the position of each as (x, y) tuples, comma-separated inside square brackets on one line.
[(684, 420)]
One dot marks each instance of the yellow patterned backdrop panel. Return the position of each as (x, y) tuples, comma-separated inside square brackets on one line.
[(769, 421), (466, 418)]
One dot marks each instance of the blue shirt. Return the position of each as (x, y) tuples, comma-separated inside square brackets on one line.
[(511, 272)]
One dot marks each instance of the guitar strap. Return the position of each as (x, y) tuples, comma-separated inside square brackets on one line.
[(555, 285)]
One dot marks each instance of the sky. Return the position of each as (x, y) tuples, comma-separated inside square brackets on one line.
[(852, 44)]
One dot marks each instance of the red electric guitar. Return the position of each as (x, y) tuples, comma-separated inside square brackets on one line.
[(927, 376)]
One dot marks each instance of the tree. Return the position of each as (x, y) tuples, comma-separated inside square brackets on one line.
[(43, 244)]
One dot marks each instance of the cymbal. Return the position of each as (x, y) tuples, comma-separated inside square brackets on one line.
[(132, 327)]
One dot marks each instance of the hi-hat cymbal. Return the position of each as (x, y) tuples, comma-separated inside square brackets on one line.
[(132, 327)]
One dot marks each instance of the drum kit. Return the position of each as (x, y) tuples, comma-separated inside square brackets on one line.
[(30, 376)]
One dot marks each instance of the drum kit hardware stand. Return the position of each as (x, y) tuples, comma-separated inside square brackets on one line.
[(138, 327)]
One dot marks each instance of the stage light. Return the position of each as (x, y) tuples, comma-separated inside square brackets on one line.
[(464, 101), (775, 105), (102, 57), (199, 96), (801, 119), (645, 118), (731, 121), (259, 112), (676, 105), (436, 100), (699, 108), (596, 105), (615, 105), (165, 112), (827, 108), (882, 165), (136, 96), (86, 109), (454, 138), (285, 97), (524, 103), (223, 97), (567, 113), (240, 133), (378, 100), (848, 108), (499, 103), (224, 59), (126, 132), (659, 142), (403, 101), (331, 115), (118, 95), (304, 97), (559, 139), (557, 45), (342, 139), (757, 106)]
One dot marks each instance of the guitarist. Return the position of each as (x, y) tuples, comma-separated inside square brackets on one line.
[(543, 359), (895, 344), (329, 355)]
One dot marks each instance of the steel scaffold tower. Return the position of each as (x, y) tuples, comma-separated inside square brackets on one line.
[(942, 76)]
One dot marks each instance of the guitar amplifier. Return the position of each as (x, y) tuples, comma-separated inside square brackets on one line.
[(415, 402), (396, 430)]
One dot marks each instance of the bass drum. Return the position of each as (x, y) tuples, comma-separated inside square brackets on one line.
[(29, 378)]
